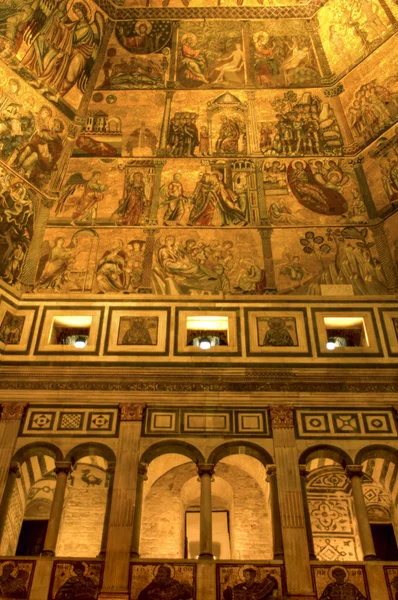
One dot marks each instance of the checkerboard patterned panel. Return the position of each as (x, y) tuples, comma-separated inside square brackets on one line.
[(52, 421)]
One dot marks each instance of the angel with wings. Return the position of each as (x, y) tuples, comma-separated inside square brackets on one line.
[(63, 50), (84, 195)]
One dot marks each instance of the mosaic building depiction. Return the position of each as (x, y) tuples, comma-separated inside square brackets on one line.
[(198, 299)]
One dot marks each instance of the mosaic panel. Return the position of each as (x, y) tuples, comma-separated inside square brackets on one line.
[(391, 575), (16, 578), (249, 581), (75, 579), (55, 421), (186, 421), (362, 423), (150, 580), (340, 581)]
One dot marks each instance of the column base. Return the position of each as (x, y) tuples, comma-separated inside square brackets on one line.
[(134, 555), (370, 557), (206, 556), (279, 556), (113, 596), (102, 554), (48, 553)]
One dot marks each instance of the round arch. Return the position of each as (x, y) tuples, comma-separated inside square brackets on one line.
[(326, 451), (91, 449), (172, 447), (377, 451), (249, 448), (34, 449)]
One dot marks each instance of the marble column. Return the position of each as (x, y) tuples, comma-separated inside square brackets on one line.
[(120, 533), (277, 541), (13, 475), (303, 478), (333, 95), (27, 277), (386, 259), (320, 54), (389, 13), (158, 166), (366, 194), (205, 473), (355, 474), (10, 421), (139, 497), (265, 235), (62, 470), (110, 472), (173, 54), (165, 124), (261, 201), (291, 506)]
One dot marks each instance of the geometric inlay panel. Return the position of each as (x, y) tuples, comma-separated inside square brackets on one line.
[(184, 420), (344, 423), (62, 420)]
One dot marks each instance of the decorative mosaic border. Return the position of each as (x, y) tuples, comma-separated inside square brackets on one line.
[(50, 421), (345, 423), (171, 421)]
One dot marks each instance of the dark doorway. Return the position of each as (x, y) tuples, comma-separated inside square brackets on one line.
[(31, 538), (384, 541)]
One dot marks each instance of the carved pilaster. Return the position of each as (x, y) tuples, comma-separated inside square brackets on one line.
[(366, 194), (265, 235), (173, 54), (333, 94), (386, 259), (165, 124)]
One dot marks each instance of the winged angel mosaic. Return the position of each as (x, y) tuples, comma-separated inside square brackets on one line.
[(53, 44)]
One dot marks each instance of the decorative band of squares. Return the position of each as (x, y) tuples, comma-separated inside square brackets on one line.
[(49, 421), (345, 423), (201, 420)]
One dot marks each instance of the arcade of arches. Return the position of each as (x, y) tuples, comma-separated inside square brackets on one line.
[(198, 299)]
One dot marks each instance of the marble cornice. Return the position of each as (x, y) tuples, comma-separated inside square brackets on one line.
[(209, 380)]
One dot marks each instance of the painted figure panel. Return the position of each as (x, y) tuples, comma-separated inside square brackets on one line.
[(210, 55), (382, 166), (249, 581), (138, 331), (281, 60), (277, 331), (122, 123), (391, 573), (16, 578), (77, 579), (327, 256), (317, 191), (32, 135), (297, 124), (53, 46), (18, 210), (11, 328), (175, 582), (110, 260), (351, 31), (138, 56), (340, 582), (371, 96)]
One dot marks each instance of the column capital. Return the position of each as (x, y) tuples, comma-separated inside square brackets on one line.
[(143, 470), (303, 471), (334, 91), (282, 416), (130, 411), (205, 469), (356, 162), (354, 471), (270, 472), (63, 466), (12, 411), (14, 468)]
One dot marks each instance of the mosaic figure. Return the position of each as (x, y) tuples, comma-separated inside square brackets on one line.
[(75, 580), (138, 331), (11, 328)]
